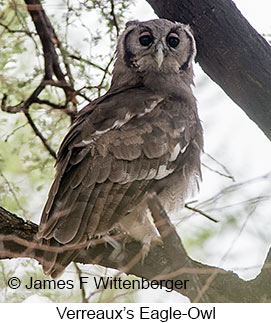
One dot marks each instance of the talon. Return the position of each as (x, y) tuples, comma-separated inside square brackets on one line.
[(118, 254)]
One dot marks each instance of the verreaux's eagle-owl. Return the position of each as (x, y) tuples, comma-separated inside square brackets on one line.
[(142, 137)]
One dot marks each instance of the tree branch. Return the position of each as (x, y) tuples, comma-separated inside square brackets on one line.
[(167, 262), (52, 68), (24, 106), (230, 51)]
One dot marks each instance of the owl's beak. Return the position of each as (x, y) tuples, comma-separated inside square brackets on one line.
[(159, 54)]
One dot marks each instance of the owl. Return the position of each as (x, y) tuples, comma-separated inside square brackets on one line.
[(142, 138)]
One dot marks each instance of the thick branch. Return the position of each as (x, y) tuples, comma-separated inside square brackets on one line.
[(206, 283), (48, 39), (230, 51)]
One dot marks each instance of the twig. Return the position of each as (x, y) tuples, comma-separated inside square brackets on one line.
[(104, 76), (200, 212), (14, 131), (232, 188), (84, 60), (218, 172), (12, 192), (83, 292), (39, 134), (114, 18), (228, 174), (26, 32)]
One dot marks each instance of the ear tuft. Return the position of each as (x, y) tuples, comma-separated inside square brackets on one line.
[(132, 23)]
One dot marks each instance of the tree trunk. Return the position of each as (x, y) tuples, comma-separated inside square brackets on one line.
[(230, 51)]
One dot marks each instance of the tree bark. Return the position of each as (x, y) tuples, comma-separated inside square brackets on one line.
[(166, 262), (230, 51)]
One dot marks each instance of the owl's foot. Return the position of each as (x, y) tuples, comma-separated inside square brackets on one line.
[(118, 253)]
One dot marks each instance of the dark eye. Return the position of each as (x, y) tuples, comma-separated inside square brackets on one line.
[(173, 41), (145, 40)]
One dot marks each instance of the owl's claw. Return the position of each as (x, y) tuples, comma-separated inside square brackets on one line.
[(118, 253)]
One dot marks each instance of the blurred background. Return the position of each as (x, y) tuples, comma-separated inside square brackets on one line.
[(236, 186)]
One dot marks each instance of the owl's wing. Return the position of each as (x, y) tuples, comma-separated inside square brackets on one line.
[(114, 150)]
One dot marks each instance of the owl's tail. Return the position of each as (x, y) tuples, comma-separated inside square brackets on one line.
[(55, 261)]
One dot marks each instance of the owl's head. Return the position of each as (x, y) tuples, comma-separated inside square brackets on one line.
[(156, 46)]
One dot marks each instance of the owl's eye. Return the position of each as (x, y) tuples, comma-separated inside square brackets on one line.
[(145, 39), (173, 41)]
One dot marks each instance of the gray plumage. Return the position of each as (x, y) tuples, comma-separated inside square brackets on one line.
[(143, 136)]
